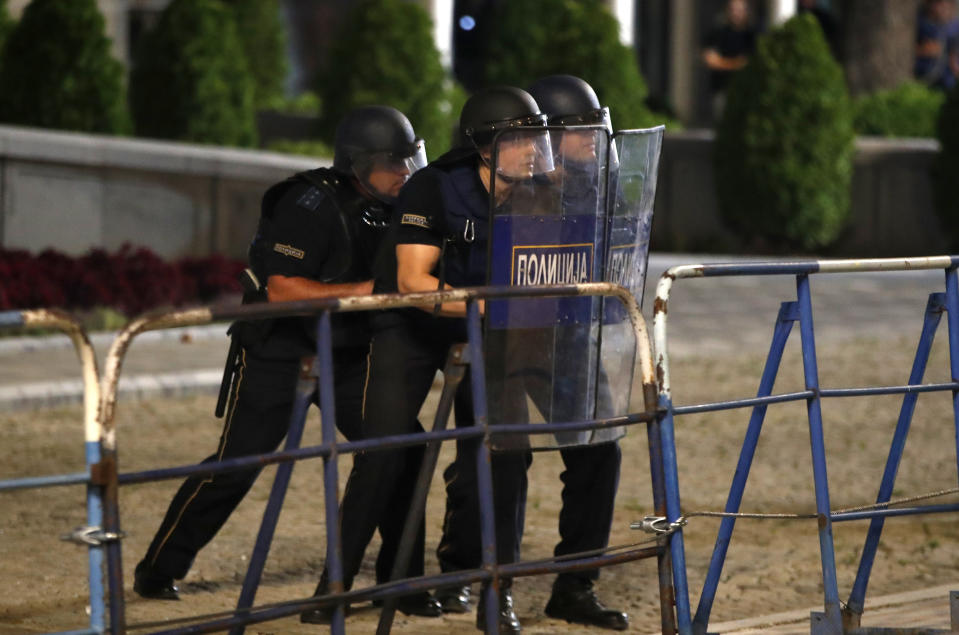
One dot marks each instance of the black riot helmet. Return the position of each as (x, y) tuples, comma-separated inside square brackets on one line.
[(569, 101), (514, 115), (494, 109), (376, 137)]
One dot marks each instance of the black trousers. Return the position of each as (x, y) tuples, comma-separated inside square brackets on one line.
[(257, 420), (590, 481), (405, 355), (591, 475)]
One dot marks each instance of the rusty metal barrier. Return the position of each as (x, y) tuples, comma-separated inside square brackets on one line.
[(93, 535), (105, 474), (834, 619)]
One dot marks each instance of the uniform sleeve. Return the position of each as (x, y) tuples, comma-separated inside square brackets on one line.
[(419, 216), (299, 234)]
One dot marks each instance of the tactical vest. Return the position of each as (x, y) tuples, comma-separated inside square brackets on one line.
[(466, 209), (359, 227), (359, 224)]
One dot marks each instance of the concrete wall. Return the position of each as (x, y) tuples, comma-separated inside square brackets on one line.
[(73, 192), (892, 214)]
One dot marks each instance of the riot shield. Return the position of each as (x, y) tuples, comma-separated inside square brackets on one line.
[(632, 193), (547, 227)]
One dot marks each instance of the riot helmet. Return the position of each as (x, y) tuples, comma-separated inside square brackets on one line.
[(377, 145), (511, 117), (569, 101)]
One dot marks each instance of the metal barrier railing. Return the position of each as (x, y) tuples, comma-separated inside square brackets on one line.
[(107, 475), (93, 535), (833, 620)]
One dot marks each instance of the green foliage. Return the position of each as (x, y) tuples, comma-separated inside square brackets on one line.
[(263, 39), (910, 110), (946, 166), (784, 146), (311, 148), (56, 70), (306, 103), (6, 24), (535, 38), (384, 54), (190, 81)]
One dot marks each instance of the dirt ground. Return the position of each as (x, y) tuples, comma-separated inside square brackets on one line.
[(772, 565)]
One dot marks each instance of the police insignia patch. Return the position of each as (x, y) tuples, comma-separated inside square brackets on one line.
[(415, 219), (287, 250), (310, 199)]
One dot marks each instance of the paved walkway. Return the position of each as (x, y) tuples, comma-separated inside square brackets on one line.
[(707, 317)]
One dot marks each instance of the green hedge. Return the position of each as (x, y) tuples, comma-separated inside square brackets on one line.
[(56, 70), (910, 110), (784, 146), (190, 81), (384, 54), (263, 38), (6, 24), (946, 167), (535, 38)]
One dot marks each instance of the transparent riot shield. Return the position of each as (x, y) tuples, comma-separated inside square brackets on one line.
[(547, 227), (632, 193)]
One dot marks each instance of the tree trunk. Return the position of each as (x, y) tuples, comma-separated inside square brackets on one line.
[(878, 43)]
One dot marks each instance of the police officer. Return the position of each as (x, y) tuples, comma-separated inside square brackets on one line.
[(591, 477), (438, 240), (316, 238)]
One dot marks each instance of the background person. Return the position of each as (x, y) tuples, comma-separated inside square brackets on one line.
[(727, 49), (937, 44)]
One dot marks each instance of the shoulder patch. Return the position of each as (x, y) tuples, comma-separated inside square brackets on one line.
[(310, 199), (288, 250), (415, 219)]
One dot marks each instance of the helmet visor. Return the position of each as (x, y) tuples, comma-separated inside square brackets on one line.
[(522, 153), (384, 173), (599, 116)]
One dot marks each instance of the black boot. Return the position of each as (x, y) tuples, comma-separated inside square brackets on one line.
[(322, 614), (454, 599), (422, 604), (153, 586), (508, 622), (578, 603)]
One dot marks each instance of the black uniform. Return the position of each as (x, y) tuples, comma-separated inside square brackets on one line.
[(409, 346), (316, 226)]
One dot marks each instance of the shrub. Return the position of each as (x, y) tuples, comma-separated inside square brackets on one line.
[(535, 38), (910, 110), (384, 54), (784, 146), (6, 25), (310, 148), (130, 281), (946, 166), (56, 70), (190, 80), (263, 38)]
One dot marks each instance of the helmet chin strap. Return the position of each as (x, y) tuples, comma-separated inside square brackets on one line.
[(370, 193), (493, 174)]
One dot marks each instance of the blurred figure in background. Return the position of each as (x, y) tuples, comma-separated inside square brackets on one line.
[(727, 49), (937, 44)]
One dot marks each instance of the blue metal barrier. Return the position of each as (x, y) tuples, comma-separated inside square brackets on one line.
[(321, 376), (834, 619), (92, 535)]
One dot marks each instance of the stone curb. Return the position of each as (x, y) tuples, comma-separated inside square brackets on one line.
[(45, 394), (102, 341)]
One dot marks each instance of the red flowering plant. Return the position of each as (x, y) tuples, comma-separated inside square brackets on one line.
[(130, 281)]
